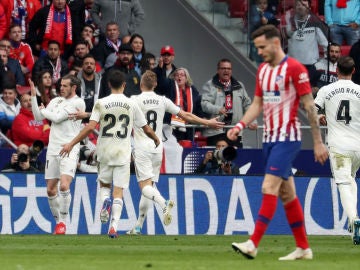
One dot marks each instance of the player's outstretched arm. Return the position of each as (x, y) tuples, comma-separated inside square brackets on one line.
[(192, 118)]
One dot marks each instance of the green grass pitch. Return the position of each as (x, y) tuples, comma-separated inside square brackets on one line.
[(203, 252)]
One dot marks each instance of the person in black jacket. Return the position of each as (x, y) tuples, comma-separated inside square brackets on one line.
[(180, 90), (10, 64), (125, 64), (165, 65), (77, 11), (51, 62), (212, 165), (22, 161), (52, 22), (355, 55), (2, 74), (109, 44)]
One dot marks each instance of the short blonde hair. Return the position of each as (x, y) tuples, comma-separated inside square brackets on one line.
[(149, 79)]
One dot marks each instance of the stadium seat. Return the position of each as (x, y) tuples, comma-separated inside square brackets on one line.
[(285, 5), (186, 143), (199, 139), (237, 9), (345, 50), (315, 7), (22, 89)]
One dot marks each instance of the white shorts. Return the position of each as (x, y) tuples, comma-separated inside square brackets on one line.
[(147, 165), (344, 165), (118, 175), (56, 166)]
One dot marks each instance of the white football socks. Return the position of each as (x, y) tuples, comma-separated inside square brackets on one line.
[(348, 200), (54, 207), (153, 194), (64, 203), (116, 210), (104, 193), (144, 206)]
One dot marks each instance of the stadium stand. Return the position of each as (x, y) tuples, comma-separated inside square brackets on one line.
[(345, 49)]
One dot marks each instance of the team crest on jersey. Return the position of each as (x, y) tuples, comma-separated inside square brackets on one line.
[(136, 81), (59, 101), (303, 77), (279, 81)]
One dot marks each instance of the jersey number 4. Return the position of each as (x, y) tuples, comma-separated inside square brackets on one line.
[(343, 112)]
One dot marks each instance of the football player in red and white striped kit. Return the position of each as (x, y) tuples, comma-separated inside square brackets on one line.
[(281, 84)]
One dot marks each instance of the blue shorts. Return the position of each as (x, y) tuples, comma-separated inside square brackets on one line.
[(279, 158)]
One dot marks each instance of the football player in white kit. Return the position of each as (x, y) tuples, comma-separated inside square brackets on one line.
[(341, 101), (147, 158), (62, 130), (117, 115)]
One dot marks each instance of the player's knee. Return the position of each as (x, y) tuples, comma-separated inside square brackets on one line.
[(105, 185), (287, 192), (286, 196), (51, 191), (270, 188), (344, 186), (343, 179)]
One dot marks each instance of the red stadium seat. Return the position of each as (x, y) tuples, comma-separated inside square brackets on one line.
[(186, 143), (199, 139), (315, 7), (237, 8), (22, 89), (345, 50), (286, 5)]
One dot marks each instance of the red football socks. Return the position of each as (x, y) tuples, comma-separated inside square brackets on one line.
[(295, 217), (266, 213)]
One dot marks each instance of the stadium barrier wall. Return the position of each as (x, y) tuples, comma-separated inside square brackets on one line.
[(213, 205)]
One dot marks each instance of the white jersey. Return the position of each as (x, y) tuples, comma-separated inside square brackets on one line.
[(117, 115), (62, 129), (341, 101), (154, 107)]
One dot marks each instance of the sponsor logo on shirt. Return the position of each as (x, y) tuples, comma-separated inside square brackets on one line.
[(272, 96), (303, 77)]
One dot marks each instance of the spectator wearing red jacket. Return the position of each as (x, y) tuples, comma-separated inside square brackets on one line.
[(51, 23), (20, 12), (25, 129), (20, 50), (3, 21)]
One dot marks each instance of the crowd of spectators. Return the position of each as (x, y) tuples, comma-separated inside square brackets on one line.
[(45, 40)]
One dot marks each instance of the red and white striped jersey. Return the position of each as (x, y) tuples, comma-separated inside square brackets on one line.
[(280, 88)]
